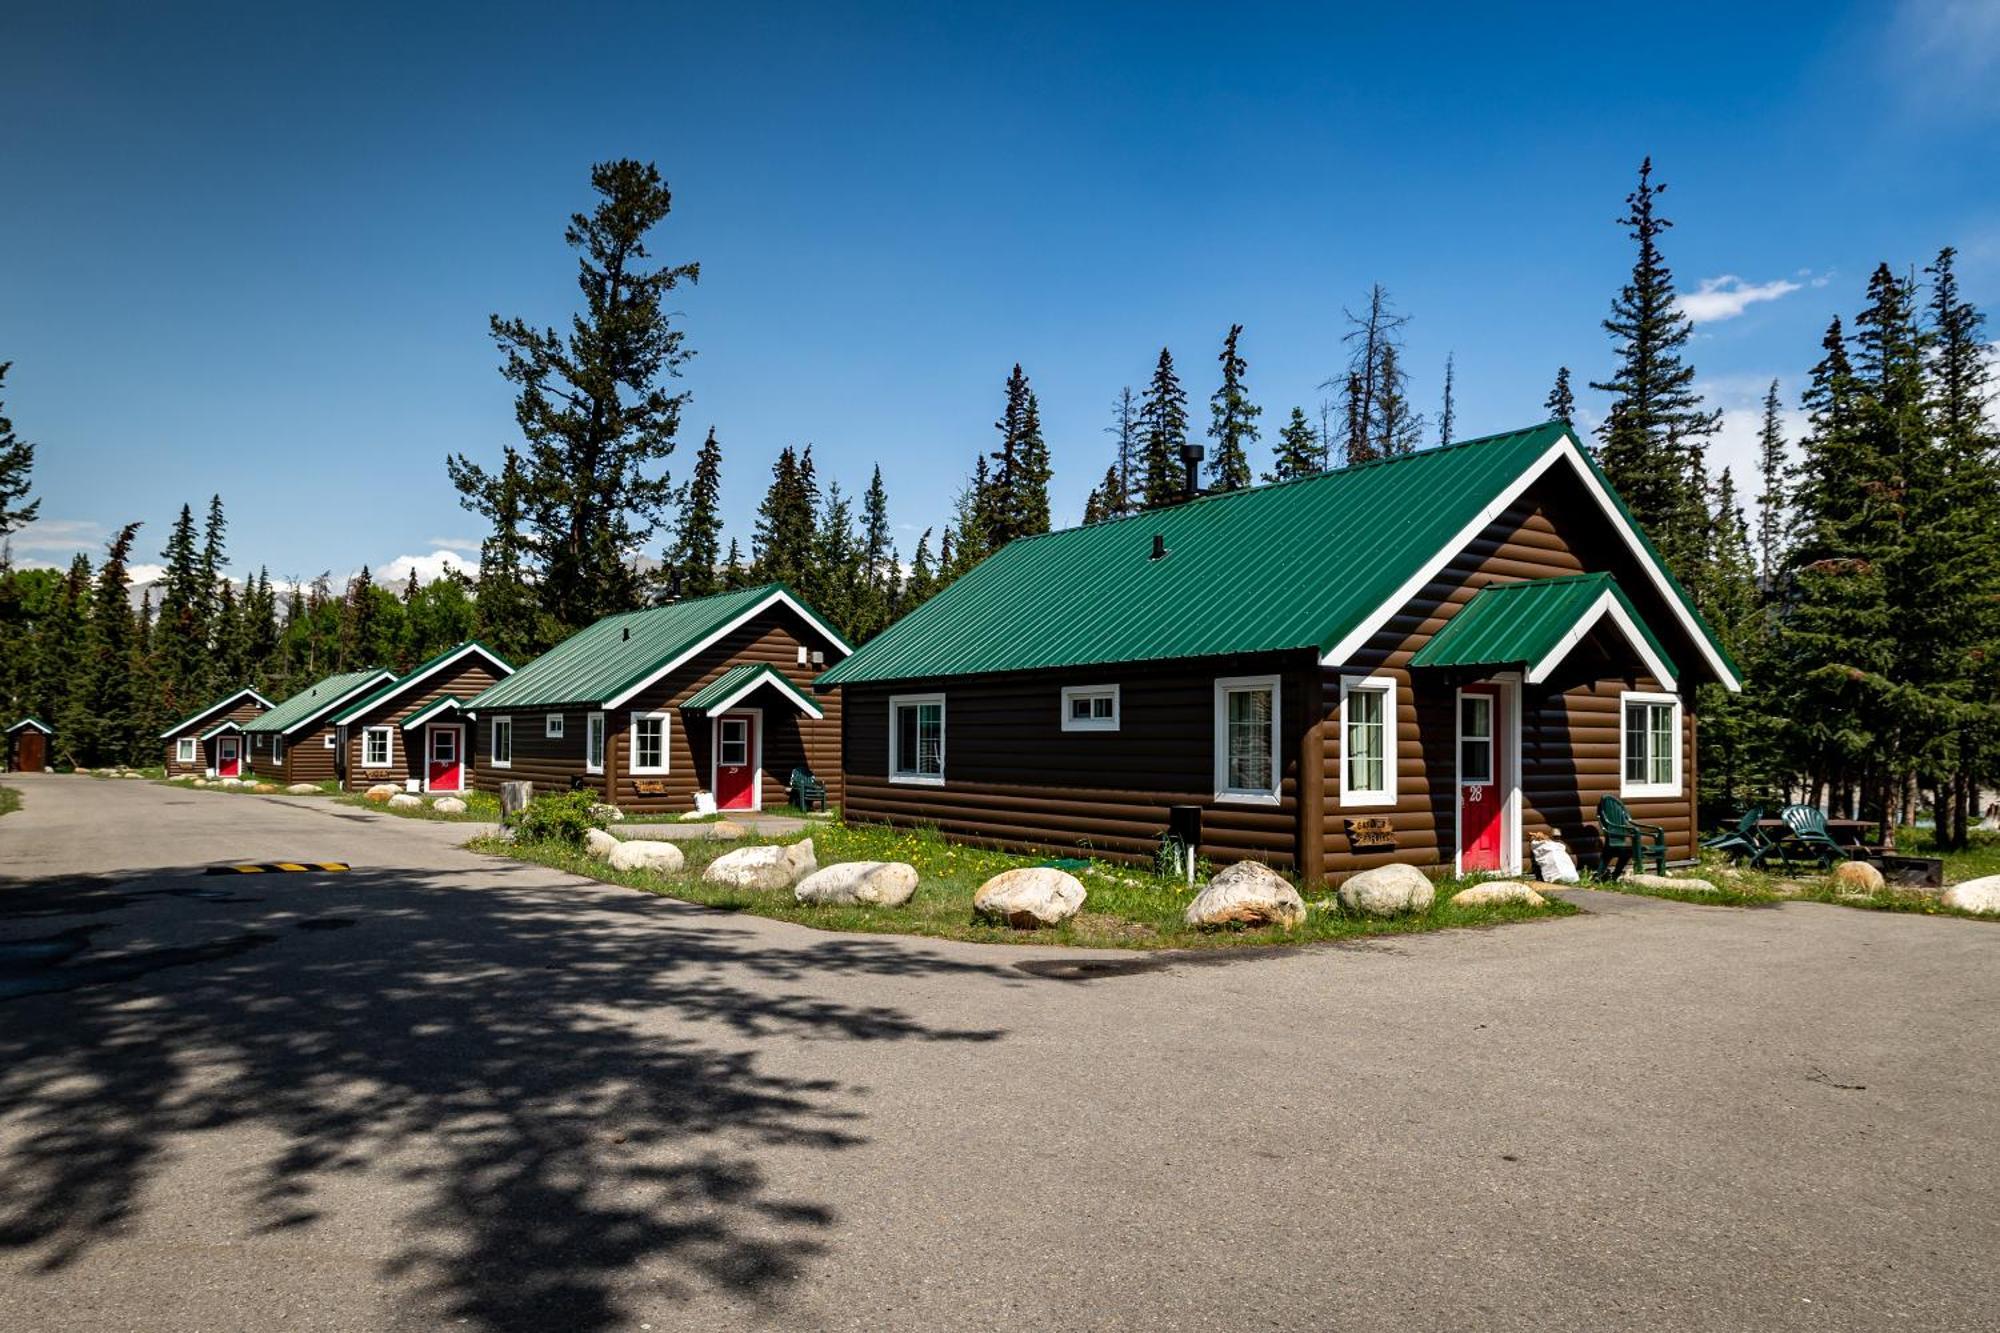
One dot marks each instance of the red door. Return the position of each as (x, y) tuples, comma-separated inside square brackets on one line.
[(735, 769), (446, 771), (228, 760), (1481, 798)]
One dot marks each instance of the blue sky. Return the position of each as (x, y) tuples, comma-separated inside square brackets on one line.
[(251, 251)]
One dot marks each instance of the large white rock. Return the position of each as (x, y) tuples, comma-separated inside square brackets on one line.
[(1030, 896), (402, 800), (303, 789), (599, 843), (763, 867), (870, 883), (1857, 877), (1669, 882), (639, 854), (382, 791), (1247, 894), (1388, 891), (1494, 893), (1975, 895), (448, 805), (610, 814)]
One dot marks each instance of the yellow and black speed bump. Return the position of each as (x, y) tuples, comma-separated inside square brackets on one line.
[(277, 867)]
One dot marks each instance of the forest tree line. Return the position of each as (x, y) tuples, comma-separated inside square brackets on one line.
[(1858, 586)]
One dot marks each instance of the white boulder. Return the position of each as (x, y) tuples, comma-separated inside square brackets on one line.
[(381, 792), (763, 867), (1669, 882), (1857, 877), (599, 843), (1247, 894), (448, 805), (1975, 895), (638, 854), (870, 883), (402, 800), (1495, 893), (1030, 896), (610, 814), (1388, 891), (303, 789)]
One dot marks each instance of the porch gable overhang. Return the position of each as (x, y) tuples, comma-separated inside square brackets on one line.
[(217, 730), (432, 711), (1535, 623), (738, 683)]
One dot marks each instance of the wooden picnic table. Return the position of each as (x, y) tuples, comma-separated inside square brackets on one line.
[(1847, 832)]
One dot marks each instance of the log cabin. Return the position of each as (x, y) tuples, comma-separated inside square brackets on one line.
[(295, 741), (647, 708), (210, 743), (28, 745), (1423, 659), (413, 731)]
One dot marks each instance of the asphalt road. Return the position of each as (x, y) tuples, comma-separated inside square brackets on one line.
[(443, 1090)]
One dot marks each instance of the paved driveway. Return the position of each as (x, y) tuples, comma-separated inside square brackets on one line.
[(445, 1090)]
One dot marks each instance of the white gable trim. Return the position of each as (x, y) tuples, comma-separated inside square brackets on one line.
[(1606, 606), (211, 711), (1567, 450), (757, 608), (40, 726), (402, 686), (777, 682)]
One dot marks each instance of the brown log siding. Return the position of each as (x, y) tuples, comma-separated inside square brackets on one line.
[(463, 680), (244, 711)]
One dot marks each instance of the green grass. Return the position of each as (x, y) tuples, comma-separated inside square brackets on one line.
[(1982, 858), (480, 807), (1741, 886), (669, 817), (10, 800), (1126, 908), (1745, 890)]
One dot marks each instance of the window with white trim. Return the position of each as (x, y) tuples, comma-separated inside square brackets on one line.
[(649, 742), (328, 741), (277, 749), (1649, 748), (1090, 708), (184, 750), (593, 742), (500, 746), (377, 747), (1368, 741), (552, 726), (1246, 739), (916, 739)]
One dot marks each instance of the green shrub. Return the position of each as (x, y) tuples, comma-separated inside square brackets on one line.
[(564, 818)]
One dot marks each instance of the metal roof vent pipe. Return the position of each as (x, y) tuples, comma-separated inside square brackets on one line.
[(626, 634), (1159, 546), (1191, 455)]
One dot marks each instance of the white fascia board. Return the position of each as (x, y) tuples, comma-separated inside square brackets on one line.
[(1605, 607), (209, 712), (756, 608), (777, 681), (382, 678)]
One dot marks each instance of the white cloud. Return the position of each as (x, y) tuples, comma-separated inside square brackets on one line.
[(145, 573), (1728, 296), (59, 536), (460, 544), (1943, 54), (428, 567)]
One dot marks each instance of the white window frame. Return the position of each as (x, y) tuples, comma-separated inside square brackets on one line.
[(277, 749), (1224, 687), (593, 724), (388, 735), (328, 741), (186, 750), (897, 702), (1644, 789), (1361, 798), (493, 758), (666, 743), (553, 725), (1092, 692)]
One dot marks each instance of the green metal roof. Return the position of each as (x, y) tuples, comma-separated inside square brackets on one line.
[(444, 703), (416, 674), (1528, 622), (733, 684), (187, 722), (603, 661), (1292, 566), (31, 721), (316, 699)]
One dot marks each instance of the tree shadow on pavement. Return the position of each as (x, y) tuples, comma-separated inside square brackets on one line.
[(561, 1088)]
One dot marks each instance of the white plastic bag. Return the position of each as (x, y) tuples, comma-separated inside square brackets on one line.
[(1553, 864)]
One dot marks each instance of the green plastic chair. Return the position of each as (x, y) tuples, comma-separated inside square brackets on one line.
[(1626, 840), (1807, 826), (1746, 839), (808, 792)]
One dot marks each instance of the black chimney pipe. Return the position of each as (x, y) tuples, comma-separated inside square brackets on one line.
[(1191, 455)]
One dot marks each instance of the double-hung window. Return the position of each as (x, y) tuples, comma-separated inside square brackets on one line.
[(1246, 739), (184, 750), (1368, 742), (500, 751), (1090, 708), (377, 747), (593, 742), (277, 749), (916, 739), (1649, 751), (649, 742)]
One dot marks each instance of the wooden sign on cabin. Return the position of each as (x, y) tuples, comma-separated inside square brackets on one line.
[(651, 787), (1369, 833)]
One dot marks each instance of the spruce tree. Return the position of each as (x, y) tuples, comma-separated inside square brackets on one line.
[(876, 600), (1129, 431), (1398, 430), (1301, 453), (1106, 500), (1731, 732), (17, 466), (1031, 486), (1653, 444), (593, 408), (832, 579), (62, 656), (788, 521), (698, 543), (921, 581), (1375, 390), (1561, 403), (1770, 499), (1448, 412), (506, 604), (1232, 420), (182, 634), (1004, 476), (103, 724), (1163, 426), (734, 574)]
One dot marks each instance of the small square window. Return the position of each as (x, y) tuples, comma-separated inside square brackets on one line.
[(184, 750), (377, 746), (552, 726), (1090, 708), (649, 743)]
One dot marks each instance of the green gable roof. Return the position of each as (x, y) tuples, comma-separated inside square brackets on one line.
[(32, 721), (599, 663), (1532, 622), (1297, 565), (444, 703), (220, 704), (415, 676), (316, 699), (732, 685)]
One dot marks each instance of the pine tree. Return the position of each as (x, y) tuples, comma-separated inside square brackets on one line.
[(698, 543), (734, 575), (1561, 403), (1300, 453), (787, 521), (593, 408), (1232, 420), (971, 513), (1127, 429), (878, 595), (62, 656), (1031, 486), (1731, 732), (103, 725), (509, 617), (1771, 499), (17, 466), (1654, 440), (921, 581), (1106, 500), (1398, 430), (1448, 413), (1375, 390), (1003, 507), (832, 578), (1163, 427), (183, 632)]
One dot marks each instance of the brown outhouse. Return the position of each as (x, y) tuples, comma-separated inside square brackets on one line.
[(28, 746)]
